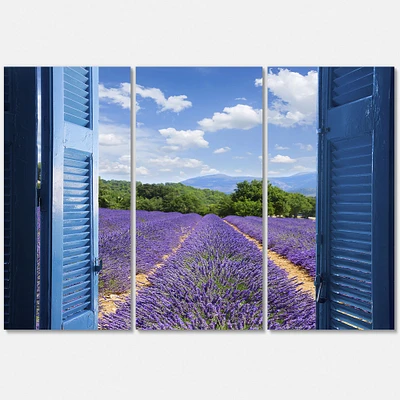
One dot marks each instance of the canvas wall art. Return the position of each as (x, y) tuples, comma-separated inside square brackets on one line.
[(330, 198), (199, 263), (67, 198)]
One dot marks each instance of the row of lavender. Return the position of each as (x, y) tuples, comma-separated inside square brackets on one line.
[(214, 281), (289, 307), (115, 276), (252, 226), (294, 239), (157, 234)]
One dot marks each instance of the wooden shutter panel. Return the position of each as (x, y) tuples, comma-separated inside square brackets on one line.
[(71, 197), (355, 199), (20, 166)]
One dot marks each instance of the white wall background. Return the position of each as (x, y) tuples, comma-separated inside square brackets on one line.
[(208, 365)]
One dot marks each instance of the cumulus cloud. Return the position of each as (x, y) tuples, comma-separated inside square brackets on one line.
[(277, 147), (183, 139), (114, 167), (282, 159), (172, 103), (296, 98), (221, 150), (302, 146), (176, 162), (114, 134), (258, 82), (241, 98), (238, 170), (120, 95), (142, 171), (206, 170), (238, 117)]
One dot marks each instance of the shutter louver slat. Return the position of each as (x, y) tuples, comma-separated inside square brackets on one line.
[(350, 233), (351, 84), (77, 257), (77, 96)]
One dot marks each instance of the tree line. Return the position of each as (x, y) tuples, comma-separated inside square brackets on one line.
[(115, 194), (169, 197), (281, 203)]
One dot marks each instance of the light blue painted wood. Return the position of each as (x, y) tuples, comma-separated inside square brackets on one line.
[(72, 198), (355, 199)]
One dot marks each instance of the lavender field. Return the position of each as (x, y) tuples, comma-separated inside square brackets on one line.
[(289, 306), (201, 274), (115, 276), (294, 239)]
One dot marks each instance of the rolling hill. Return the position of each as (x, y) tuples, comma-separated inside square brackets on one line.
[(304, 182), (221, 182)]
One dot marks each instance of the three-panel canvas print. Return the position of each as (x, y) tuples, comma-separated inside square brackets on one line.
[(210, 232)]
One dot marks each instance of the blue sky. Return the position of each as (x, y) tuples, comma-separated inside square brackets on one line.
[(115, 122), (292, 107), (194, 121)]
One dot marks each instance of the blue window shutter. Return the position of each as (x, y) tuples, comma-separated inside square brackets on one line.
[(71, 212), (355, 199), (20, 169)]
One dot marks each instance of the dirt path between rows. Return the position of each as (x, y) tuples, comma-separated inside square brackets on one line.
[(293, 270), (108, 303), (142, 279), (256, 242)]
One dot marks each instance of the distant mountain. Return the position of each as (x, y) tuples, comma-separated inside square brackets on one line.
[(304, 182), (221, 182)]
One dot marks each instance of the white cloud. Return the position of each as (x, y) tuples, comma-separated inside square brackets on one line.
[(248, 153), (114, 140), (241, 98), (120, 95), (142, 171), (260, 157), (113, 134), (238, 117), (238, 157), (169, 149), (277, 147), (176, 162), (165, 170), (172, 103), (296, 98), (206, 170), (238, 170), (114, 167), (139, 124), (125, 158), (282, 159), (302, 146), (258, 82), (183, 139), (221, 150)]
